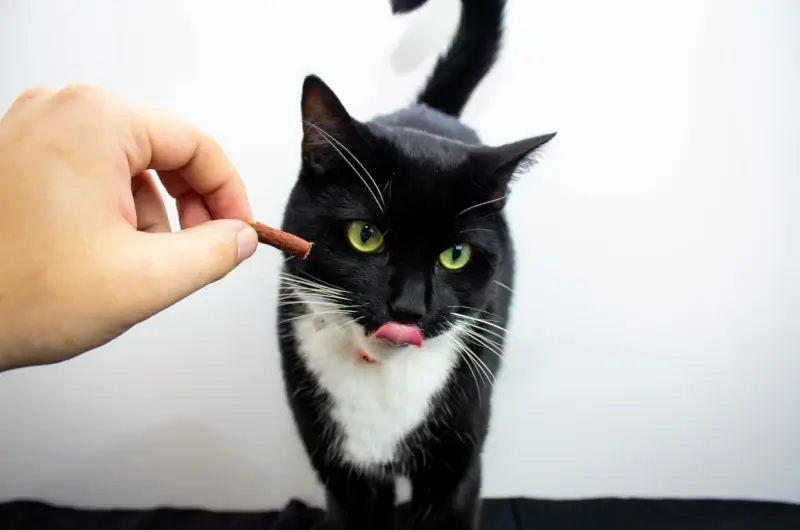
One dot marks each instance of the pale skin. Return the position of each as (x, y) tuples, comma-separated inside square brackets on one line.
[(86, 248)]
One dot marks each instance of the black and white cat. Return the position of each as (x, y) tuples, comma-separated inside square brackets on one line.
[(393, 328)]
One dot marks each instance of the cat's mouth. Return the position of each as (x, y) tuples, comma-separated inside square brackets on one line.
[(395, 334)]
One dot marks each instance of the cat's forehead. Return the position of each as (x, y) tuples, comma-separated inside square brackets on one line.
[(420, 198), (423, 177), (416, 148), (413, 180)]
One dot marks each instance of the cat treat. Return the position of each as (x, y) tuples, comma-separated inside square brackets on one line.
[(289, 243)]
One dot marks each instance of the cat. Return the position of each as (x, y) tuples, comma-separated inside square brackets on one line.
[(392, 331)]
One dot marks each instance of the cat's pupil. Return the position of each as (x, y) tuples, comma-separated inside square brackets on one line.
[(366, 233), (456, 253)]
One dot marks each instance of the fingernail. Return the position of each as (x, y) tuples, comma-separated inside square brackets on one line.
[(247, 240)]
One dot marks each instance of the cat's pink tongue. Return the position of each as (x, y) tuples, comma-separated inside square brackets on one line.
[(398, 334)]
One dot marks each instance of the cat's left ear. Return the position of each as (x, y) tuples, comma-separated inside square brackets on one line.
[(327, 126), (501, 164)]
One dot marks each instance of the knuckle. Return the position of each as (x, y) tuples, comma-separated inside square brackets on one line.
[(30, 94), (33, 93), (140, 141), (77, 94)]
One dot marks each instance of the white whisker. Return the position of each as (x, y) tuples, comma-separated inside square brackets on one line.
[(465, 210), (472, 309), (315, 283), (477, 359), (461, 348), (316, 313), (476, 326), (485, 342), (483, 368), (300, 294), (293, 282), (330, 139), (469, 366), (310, 287), (475, 319), (305, 291), (304, 273), (504, 286), (348, 322), (480, 368), (476, 230), (315, 302)]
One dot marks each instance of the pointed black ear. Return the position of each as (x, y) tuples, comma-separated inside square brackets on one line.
[(503, 163), (405, 6), (326, 125)]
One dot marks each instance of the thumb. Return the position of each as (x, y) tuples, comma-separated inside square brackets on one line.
[(164, 268)]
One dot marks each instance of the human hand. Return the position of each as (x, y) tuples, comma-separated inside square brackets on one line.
[(86, 250)]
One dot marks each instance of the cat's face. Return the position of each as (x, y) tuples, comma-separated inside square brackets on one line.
[(407, 227)]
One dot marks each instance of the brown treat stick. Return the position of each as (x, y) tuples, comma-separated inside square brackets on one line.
[(289, 243)]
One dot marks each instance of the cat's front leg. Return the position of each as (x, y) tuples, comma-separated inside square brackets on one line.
[(446, 497), (358, 503)]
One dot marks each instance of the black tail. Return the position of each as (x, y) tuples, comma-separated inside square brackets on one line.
[(471, 55)]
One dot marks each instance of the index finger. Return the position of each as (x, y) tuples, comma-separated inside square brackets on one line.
[(188, 162)]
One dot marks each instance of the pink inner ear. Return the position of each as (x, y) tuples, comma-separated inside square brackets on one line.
[(398, 334)]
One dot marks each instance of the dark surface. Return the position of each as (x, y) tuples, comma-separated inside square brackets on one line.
[(505, 514)]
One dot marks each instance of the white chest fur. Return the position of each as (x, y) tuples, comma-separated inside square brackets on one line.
[(375, 405)]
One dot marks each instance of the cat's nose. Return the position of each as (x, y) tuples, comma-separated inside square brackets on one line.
[(406, 313), (407, 305), (407, 309)]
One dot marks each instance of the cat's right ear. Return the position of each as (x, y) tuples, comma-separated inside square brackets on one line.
[(327, 126), (406, 6)]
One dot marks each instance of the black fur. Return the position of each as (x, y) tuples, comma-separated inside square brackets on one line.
[(405, 6), (469, 59), (432, 172)]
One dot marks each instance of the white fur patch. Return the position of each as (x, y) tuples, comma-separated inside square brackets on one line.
[(376, 405)]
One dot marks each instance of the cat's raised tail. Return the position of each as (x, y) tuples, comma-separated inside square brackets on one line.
[(471, 55)]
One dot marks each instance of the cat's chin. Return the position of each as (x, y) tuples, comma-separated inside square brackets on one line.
[(374, 347)]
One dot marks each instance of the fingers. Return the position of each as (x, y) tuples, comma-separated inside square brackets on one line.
[(188, 161), (76, 182), (162, 269), (151, 213), (29, 96), (192, 210)]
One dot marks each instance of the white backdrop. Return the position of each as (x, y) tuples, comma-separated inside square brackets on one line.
[(656, 345)]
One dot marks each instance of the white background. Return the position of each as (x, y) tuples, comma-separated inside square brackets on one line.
[(656, 345)]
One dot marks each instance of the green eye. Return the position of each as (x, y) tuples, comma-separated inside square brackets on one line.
[(364, 237), (455, 257)]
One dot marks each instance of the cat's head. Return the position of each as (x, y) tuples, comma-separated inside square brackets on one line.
[(407, 226)]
